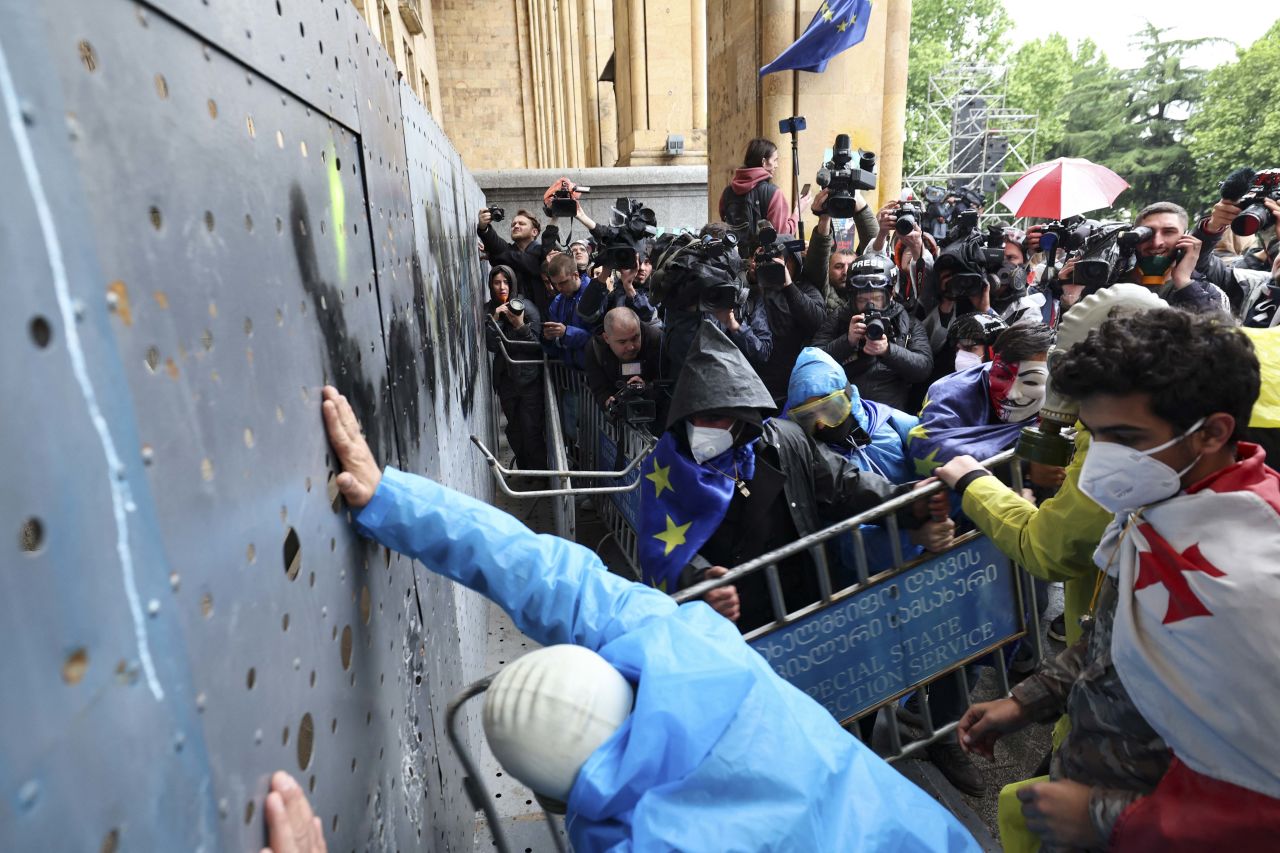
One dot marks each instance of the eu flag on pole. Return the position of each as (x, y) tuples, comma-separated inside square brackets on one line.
[(838, 25)]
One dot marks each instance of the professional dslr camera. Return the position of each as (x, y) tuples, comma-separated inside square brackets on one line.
[(704, 273), (962, 218), (840, 178), (1249, 189), (970, 259), (910, 214), (874, 320)]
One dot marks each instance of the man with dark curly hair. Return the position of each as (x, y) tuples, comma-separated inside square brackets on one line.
[(1166, 750)]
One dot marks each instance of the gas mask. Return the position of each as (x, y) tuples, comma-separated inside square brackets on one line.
[(1013, 280)]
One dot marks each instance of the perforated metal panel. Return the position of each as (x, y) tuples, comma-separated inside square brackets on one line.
[(203, 219)]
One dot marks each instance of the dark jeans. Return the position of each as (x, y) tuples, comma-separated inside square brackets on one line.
[(525, 411)]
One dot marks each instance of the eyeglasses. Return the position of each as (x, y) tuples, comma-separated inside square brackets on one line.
[(828, 411), (868, 282)]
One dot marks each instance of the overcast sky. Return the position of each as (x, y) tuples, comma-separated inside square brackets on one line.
[(1111, 23)]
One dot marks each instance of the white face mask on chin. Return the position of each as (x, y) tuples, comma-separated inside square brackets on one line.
[(966, 360), (1123, 480), (708, 442)]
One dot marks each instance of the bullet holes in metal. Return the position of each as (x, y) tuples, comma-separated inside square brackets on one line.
[(206, 340), (110, 841), (208, 221), (206, 605), (75, 666), (280, 139), (212, 105), (292, 555), (88, 56), (31, 535), (152, 358), (346, 647), (365, 609), (154, 215), (248, 812), (162, 87), (41, 332), (251, 678), (253, 132), (284, 622), (306, 740)]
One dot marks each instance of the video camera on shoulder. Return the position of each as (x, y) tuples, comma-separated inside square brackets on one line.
[(697, 272), (841, 177), (970, 259), (1250, 189), (1106, 250), (632, 224)]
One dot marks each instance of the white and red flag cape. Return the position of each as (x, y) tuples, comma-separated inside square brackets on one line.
[(1197, 644)]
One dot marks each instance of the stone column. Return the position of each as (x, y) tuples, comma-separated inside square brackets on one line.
[(849, 97)]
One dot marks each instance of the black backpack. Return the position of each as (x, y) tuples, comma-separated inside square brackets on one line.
[(742, 212)]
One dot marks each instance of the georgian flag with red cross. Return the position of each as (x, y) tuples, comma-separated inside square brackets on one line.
[(1197, 644)]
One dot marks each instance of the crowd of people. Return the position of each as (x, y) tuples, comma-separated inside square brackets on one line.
[(794, 385), (797, 384)]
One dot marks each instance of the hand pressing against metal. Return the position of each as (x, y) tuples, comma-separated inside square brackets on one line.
[(723, 600), (291, 826), (360, 473)]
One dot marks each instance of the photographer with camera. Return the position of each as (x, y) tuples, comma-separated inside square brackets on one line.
[(627, 354), (1251, 292), (518, 386), (795, 308), (524, 254), (883, 349), (825, 267), (752, 195), (902, 239)]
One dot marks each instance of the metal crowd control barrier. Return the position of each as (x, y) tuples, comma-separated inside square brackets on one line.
[(907, 626), (560, 380)]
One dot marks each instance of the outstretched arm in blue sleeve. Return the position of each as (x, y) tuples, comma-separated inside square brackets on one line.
[(555, 591)]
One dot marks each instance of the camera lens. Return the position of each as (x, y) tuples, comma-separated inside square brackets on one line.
[(1253, 219), (906, 224)]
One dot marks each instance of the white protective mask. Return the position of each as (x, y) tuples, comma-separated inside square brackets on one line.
[(966, 360), (708, 442), (1025, 395), (1122, 480)]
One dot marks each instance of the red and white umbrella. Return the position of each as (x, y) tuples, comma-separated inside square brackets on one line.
[(1063, 187)]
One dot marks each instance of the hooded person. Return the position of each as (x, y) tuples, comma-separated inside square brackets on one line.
[(725, 484), (752, 195), (870, 435), (676, 734), (512, 329), (981, 410)]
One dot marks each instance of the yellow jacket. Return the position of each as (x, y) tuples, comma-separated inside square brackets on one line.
[(1054, 541)]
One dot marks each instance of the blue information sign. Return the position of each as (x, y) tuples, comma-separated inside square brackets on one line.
[(900, 632), (628, 503)]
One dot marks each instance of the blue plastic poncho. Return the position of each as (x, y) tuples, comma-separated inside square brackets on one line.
[(719, 752)]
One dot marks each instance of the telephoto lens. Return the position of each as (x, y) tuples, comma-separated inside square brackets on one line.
[(516, 306)]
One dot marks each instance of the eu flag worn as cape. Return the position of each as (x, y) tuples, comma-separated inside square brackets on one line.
[(681, 505), (838, 25), (957, 420)]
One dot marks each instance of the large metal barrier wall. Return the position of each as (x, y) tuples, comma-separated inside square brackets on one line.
[(207, 211)]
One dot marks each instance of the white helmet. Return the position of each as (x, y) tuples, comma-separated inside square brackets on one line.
[(547, 712)]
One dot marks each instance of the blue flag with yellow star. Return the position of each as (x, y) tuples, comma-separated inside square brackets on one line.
[(681, 505), (958, 419), (838, 25)]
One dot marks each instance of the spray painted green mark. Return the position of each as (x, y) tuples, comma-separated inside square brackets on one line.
[(338, 213)]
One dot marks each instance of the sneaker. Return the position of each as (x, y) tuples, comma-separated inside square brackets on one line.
[(957, 766), (908, 713), (1058, 628)]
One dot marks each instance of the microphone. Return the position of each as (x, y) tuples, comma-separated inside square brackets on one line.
[(1237, 183)]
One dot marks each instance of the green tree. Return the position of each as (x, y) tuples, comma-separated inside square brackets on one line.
[(1236, 123), (1134, 120), (1040, 75), (944, 32)]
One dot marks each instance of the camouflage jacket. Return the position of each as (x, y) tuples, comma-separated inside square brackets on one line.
[(1110, 746)]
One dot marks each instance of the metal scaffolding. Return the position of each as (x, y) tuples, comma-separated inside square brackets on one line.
[(971, 138)]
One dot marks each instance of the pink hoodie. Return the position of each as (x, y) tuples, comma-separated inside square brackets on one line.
[(744, 180)]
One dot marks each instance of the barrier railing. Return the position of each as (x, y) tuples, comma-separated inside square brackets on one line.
[(897, 629)]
